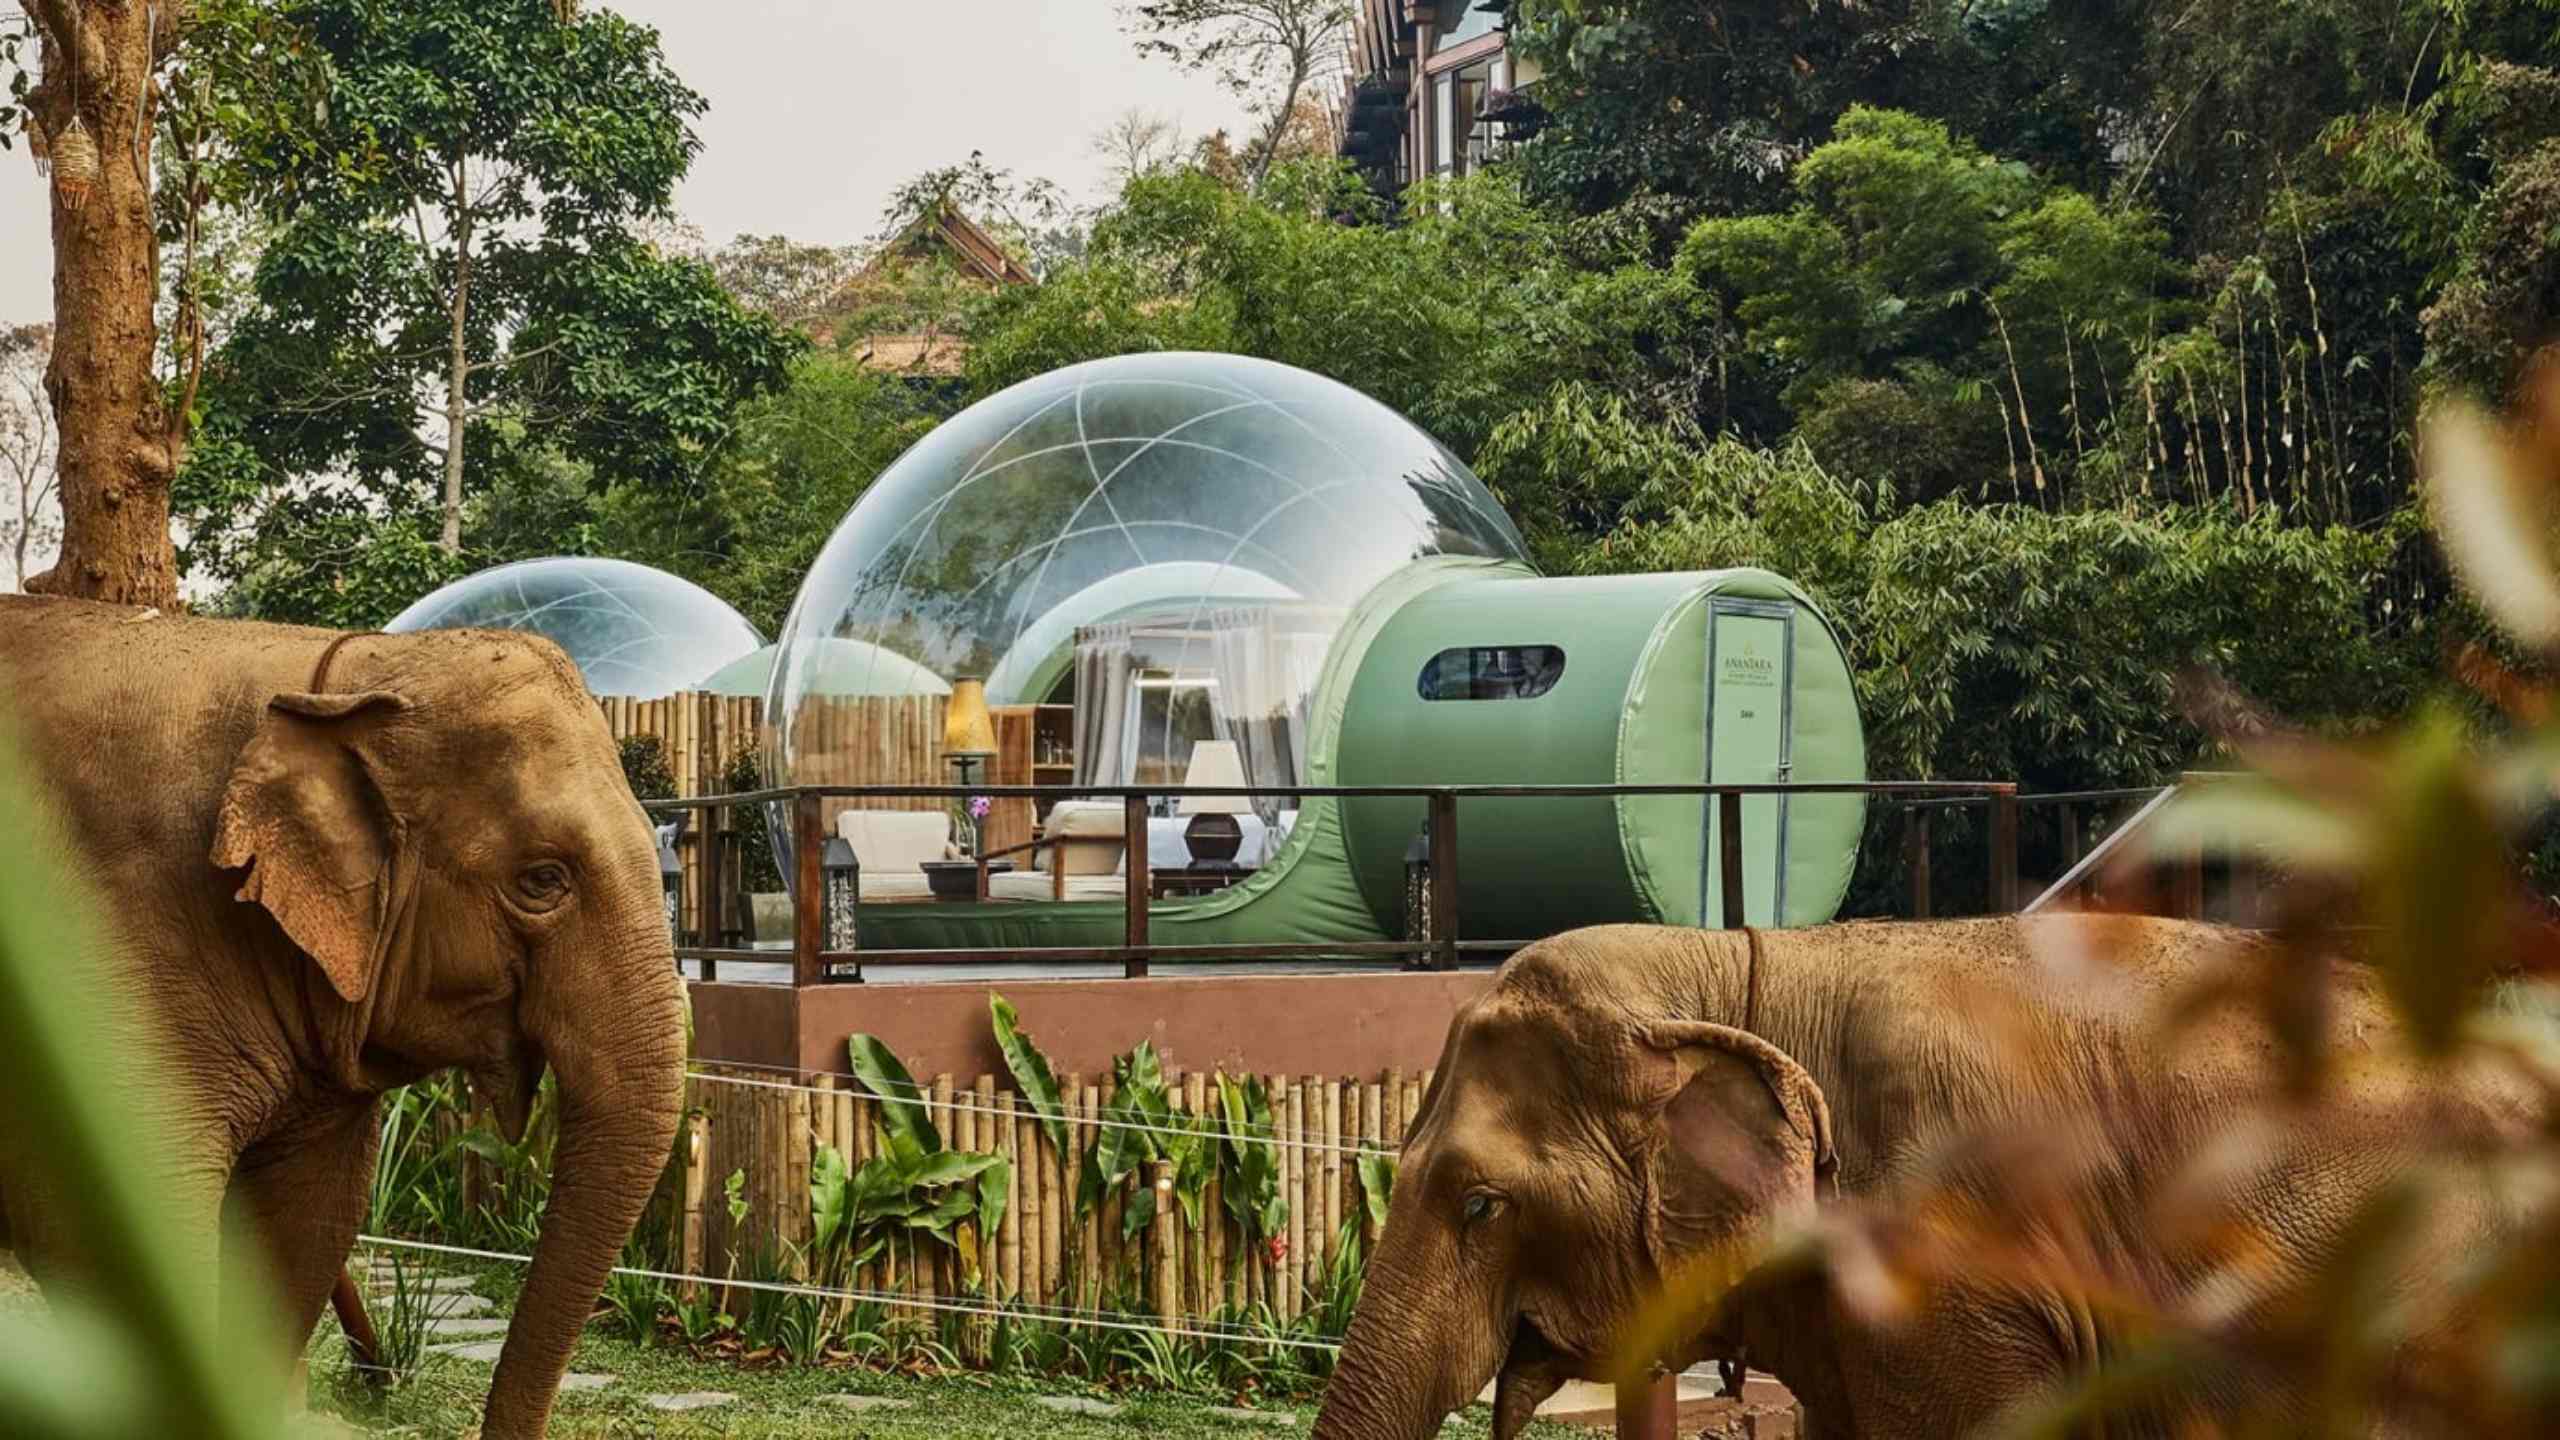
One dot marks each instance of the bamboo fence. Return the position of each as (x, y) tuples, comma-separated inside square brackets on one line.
[(836, 740), (701, 732), (767, 1130)]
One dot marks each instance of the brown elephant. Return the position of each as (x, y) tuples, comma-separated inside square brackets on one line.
[(333, 865), (1625, 1104)]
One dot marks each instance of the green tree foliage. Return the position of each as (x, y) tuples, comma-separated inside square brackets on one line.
[(2341, 201), (644, 765), (456, 283), (794, 463), (1709, 105), (2506, 297), (2007, 640), (1459, 316), (1916, 282), (2096, 357), (786, 279)]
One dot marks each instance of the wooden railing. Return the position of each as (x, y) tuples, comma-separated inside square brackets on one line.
[(813, 963), (2065, 810)]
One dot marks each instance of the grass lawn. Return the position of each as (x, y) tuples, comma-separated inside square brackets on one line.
[(444, 1399), (777, 1403), (784, 1402)]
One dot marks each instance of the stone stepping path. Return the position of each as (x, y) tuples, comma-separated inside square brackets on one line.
[(1277, 1419), (692, 1400), (1076, 1405), (468, 1325), (486, 1352)]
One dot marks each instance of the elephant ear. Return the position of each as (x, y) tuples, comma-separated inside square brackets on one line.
[(303, 812), (1741, 1133)]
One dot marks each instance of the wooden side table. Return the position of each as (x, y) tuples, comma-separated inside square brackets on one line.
[(1171, 882)]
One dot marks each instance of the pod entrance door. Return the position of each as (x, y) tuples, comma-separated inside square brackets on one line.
[(1750, 741)]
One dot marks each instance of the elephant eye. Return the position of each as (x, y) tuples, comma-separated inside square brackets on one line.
[(1480, 1207), (543, 885)]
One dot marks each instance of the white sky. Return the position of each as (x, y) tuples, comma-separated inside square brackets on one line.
[(820, 107)]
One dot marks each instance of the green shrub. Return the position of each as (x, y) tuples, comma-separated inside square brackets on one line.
[(752, 825), (644, 764)]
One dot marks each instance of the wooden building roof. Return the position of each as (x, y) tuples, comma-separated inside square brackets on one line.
[(945, 233), (977, 252)]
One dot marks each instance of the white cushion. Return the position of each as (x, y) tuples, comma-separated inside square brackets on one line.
[(1088, 818), (895, 885), (892, 841), (1025, 885)]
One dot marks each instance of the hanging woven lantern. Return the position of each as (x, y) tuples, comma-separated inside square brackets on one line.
[(37, 148), (75, 165)]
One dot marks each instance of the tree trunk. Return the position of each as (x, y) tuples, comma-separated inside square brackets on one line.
[(119, 449), (457, 393), (1299, 67)]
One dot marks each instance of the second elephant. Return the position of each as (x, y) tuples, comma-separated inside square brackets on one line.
[(1628, 1104)]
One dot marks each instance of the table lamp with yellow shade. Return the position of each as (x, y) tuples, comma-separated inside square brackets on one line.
[(968, 743), (968, 731), (1214, 834)]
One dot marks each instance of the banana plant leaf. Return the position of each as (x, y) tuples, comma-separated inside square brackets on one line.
[(993, 1181), (1252, 1184), (950, 1167), (831, 1195), (901, 1113), (1377, 1185), (1030, 1070)]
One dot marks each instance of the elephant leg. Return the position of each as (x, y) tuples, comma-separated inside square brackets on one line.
[(301, 1196), (38, 1222)]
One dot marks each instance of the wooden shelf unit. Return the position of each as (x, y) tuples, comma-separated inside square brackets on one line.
[(1023, 734)]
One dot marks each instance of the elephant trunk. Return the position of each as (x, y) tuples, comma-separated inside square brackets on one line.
[(1412, 1356), (621, 1094)]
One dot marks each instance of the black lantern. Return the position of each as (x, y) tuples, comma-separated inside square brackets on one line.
[(1417, 887), (671, 878), (843, 871)]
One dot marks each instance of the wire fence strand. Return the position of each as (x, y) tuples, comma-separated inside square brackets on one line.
[(1064, 1315)]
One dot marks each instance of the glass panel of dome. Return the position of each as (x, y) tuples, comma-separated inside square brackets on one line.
[(631, 630), (1163, 489)]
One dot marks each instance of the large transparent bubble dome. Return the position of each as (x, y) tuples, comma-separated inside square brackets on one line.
[(631, 630), (1161, 546)]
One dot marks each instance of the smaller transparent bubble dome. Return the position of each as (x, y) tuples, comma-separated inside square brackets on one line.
[(630, 629), (1161, 546)]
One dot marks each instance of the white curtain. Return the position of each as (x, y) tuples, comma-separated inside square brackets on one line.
[(1106, 674), (1267, 667), (1266, 661)]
